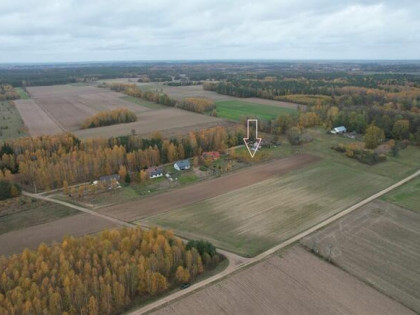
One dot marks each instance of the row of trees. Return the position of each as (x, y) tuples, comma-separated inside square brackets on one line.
[(193, 104), (111, 117), (198, 105), (7, 92), (100, 274), (340, 91), (135, 91), (43, 163)]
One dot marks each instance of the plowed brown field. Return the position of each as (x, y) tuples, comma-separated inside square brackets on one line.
[(295, 283), (208, 189)]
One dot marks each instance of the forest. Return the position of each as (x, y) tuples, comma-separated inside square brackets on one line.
[(64, 73), (101, 274)]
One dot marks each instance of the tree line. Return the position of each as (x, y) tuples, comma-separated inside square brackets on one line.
[(193, 104), (7, 92), (46, 162), (111, 117), (102, 274)]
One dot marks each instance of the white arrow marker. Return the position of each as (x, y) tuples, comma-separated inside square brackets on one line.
[(254, 145)]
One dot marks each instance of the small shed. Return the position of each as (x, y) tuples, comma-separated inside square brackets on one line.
[(340, 129), (182, 165)]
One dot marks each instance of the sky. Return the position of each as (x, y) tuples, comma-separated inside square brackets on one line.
[(108, 30)]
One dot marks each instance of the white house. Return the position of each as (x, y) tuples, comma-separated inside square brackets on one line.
[(340, 129), (155, 172)]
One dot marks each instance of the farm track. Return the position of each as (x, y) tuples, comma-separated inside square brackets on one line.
[(237, 262), (271, 251)]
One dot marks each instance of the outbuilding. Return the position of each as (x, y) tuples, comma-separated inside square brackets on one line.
[(338, 130)]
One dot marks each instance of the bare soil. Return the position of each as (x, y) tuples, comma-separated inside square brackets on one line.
[(295, 283), (35, 119), (76, 225), (68, 106), (379, 243), (167, 121), (201, 191)]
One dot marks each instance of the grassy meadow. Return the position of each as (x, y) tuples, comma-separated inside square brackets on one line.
[(23, 212), (407, 196), (11, 124), (236, 109)]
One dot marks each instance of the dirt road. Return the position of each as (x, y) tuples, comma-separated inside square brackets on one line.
[(269, 252)]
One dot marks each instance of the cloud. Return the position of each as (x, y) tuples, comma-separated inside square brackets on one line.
[(64, 30)]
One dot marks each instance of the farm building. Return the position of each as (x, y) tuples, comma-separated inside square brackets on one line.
[(340, 129), (109, 181), (155, 172), (109, 178), (182, 165), (213, 155)]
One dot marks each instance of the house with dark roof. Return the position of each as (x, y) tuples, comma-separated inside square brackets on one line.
[(107, 179), (182, 165), (155, 172)]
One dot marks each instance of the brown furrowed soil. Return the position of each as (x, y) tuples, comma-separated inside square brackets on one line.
[(55, 109), (379, 244), (297, 282), (68, 106), (201, 191), (76, 225), (167, 121), (35, 119)]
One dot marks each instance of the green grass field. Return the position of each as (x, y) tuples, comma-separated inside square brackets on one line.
[(11, 125), (144, 103), (407, 196), (253, 219), (236, 109), (395, 167), (23, 212), (250, 220), (23, 95)]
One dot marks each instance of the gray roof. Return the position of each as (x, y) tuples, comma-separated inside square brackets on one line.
[(340, 128), (183, 164), (108, 178), (155, 172)]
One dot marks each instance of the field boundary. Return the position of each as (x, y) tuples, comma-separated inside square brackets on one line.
[(82, 209), (272, 250)]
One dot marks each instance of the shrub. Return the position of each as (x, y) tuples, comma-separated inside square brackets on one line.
[(9, 190), (354, 151), (202, 247)]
